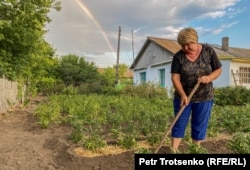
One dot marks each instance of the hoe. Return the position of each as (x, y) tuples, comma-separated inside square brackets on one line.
[(176, 118)]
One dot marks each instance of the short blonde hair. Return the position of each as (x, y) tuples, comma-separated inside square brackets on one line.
[(187, 35)]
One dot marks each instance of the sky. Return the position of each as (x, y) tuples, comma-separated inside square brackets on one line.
[(90, 28)]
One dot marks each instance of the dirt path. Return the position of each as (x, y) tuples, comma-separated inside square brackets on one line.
[(26, 146)]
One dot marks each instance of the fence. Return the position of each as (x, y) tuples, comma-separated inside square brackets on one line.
[(8, 95)]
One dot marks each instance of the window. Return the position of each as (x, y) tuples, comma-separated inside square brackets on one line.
[(244, 75), (162, 77), (143, 77)]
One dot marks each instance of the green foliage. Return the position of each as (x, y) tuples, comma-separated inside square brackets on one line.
[(70, 90), (93, 143), (25, 56), (143, 151), (76, 136), (128, 142), (146, 90), (230, 119), (91, 88), (236, 96), (195, 149), (74, 69), (240, 143), (46, 85), (114, 115), (126, 118), (154, 138), (109, 75), (47, 115)]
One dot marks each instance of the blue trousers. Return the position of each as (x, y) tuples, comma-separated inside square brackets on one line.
[(200, 114)]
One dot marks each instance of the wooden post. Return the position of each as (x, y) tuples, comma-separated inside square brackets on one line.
[(117, 59)]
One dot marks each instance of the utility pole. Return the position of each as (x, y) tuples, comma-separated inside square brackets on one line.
[(117, 59), (135, 75), (133, 45)]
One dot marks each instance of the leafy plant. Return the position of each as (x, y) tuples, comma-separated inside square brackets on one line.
[(127, 118), (194, 148), (128, 142), (240, 143), (76, 135), (236, 96), (143, 151), (93, 143)]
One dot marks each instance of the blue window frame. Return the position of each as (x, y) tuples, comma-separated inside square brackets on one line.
[(143, 77), (162, 77)]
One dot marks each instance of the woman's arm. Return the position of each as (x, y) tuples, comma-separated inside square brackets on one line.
[(211, 77), (176, 79)]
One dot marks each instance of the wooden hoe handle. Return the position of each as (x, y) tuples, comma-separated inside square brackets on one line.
[(176, 118)]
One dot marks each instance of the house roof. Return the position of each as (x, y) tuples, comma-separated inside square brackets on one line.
[(172, 46), (232, 51)]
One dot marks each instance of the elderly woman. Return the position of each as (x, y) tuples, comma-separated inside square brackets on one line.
[(195, 62)]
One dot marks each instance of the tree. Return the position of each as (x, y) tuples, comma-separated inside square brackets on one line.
[(109, 74), (74, 69), (22, 46)]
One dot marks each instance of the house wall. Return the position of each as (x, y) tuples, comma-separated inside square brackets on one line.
[(153, 76), (137, 76), (225, 78), (155, 58), (152, 55), (235, 67)]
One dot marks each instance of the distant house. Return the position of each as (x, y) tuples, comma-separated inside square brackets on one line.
[(153, 62)]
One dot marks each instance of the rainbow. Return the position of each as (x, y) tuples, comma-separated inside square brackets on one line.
[(94, 20)]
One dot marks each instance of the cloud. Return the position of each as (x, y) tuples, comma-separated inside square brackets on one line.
[(94, 29), (222, 27)]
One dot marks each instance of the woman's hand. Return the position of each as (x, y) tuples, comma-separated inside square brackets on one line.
[(184, 100), (205, 79)]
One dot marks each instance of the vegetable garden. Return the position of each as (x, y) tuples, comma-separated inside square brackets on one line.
[(142, 113)]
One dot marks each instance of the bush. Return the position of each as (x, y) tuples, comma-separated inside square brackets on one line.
[(232, 96), (146, 90), (240, 143)]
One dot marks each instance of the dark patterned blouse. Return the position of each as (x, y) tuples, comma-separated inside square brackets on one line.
[(190, 71)]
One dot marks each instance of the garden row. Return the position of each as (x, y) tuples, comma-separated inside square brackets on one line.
[(98, 120)]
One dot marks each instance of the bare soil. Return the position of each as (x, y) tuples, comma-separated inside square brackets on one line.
[(24, 145)]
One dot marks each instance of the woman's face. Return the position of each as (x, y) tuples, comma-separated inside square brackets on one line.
[(189, 48)]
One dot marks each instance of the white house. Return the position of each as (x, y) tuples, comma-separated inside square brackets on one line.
[(153, 62)]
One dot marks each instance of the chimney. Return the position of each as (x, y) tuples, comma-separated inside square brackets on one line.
[(225, 43)]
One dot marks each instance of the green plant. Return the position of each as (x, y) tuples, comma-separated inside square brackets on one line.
[(70, 90), (94, 142), (76, 135), (240, 144), (127, 118), (236, 96), (143, 151), (128, 142), (194, 148), (48, 114), (154, 138), (115, 133)]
